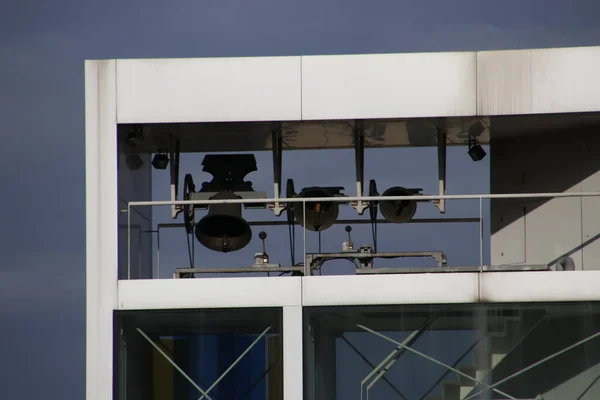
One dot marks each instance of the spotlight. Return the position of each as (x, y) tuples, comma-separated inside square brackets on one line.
[(476, 152), (160, 160)]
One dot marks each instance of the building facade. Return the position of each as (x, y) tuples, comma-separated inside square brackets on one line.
[(521, 324)]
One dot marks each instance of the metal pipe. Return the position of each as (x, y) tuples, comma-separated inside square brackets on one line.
[(128, 241), (382, 365), (234, 363), (343, 199), (518, 342), (395, 356), (425, 356), (458, 360), (190, 380), (158, 251), (481, 234), (365, 359), (535, 364), (348, 222), (307, 269)]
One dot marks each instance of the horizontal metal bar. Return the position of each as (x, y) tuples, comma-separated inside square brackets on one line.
[(348, 222), (359, 255), (366, 198), (367, 271), (179, 271), (433, 270)]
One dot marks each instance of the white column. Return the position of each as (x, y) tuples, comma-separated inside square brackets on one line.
[(292, 353), (101, 225)]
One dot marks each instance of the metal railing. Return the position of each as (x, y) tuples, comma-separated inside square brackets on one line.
[(349, 199)]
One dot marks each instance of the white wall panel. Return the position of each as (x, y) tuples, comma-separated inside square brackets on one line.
[(540, 286), (504, 82), (389, 289), (553, 227), (208, 90), (388, 85), (565, 80), (293, 355), (209, 293), (508, 243), (101, 225), (590, 212)]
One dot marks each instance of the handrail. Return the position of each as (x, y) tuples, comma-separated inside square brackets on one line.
[(350, 199), (342, 199)]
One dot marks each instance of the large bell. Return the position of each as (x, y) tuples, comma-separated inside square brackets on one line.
[(319, 216), (398, 210), (223, 229)]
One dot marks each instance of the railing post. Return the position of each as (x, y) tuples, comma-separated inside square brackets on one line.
[(128, 241), (480, 234), (306, 266)]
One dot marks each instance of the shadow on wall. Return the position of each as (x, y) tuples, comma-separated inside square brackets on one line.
[(544, 162)]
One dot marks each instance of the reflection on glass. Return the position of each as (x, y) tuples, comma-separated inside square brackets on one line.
[(452, 352), (210, 354)]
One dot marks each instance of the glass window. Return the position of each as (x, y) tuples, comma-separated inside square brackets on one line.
[(176, 355), (453, 352)]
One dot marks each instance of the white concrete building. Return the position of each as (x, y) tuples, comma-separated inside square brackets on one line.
[(523, 325)]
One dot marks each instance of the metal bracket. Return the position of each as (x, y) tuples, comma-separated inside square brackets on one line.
[(441, 142), (359, 155), (277, 144), (275, 268), (365, 256)]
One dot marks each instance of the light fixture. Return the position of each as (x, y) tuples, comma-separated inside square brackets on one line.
[(476, 152), (160, 160)]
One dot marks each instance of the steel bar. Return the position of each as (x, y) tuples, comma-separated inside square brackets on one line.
[(219, 379), (397, 354), (391, 358), (307, 270), (366, 360), (158, 251), (481, 233), (465, 269), (259, 379), (441, 150), (190, 380), (454, 364), (425, 356), (348, 222), (384, 366), (365, 271), (521, 339), (535, 364), (347, 199), (128, 241), (180, 271)]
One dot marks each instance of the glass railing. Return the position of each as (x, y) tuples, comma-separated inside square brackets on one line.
[(477, 233)]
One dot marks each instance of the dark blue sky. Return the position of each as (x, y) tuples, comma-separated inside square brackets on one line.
[(42, 49)]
